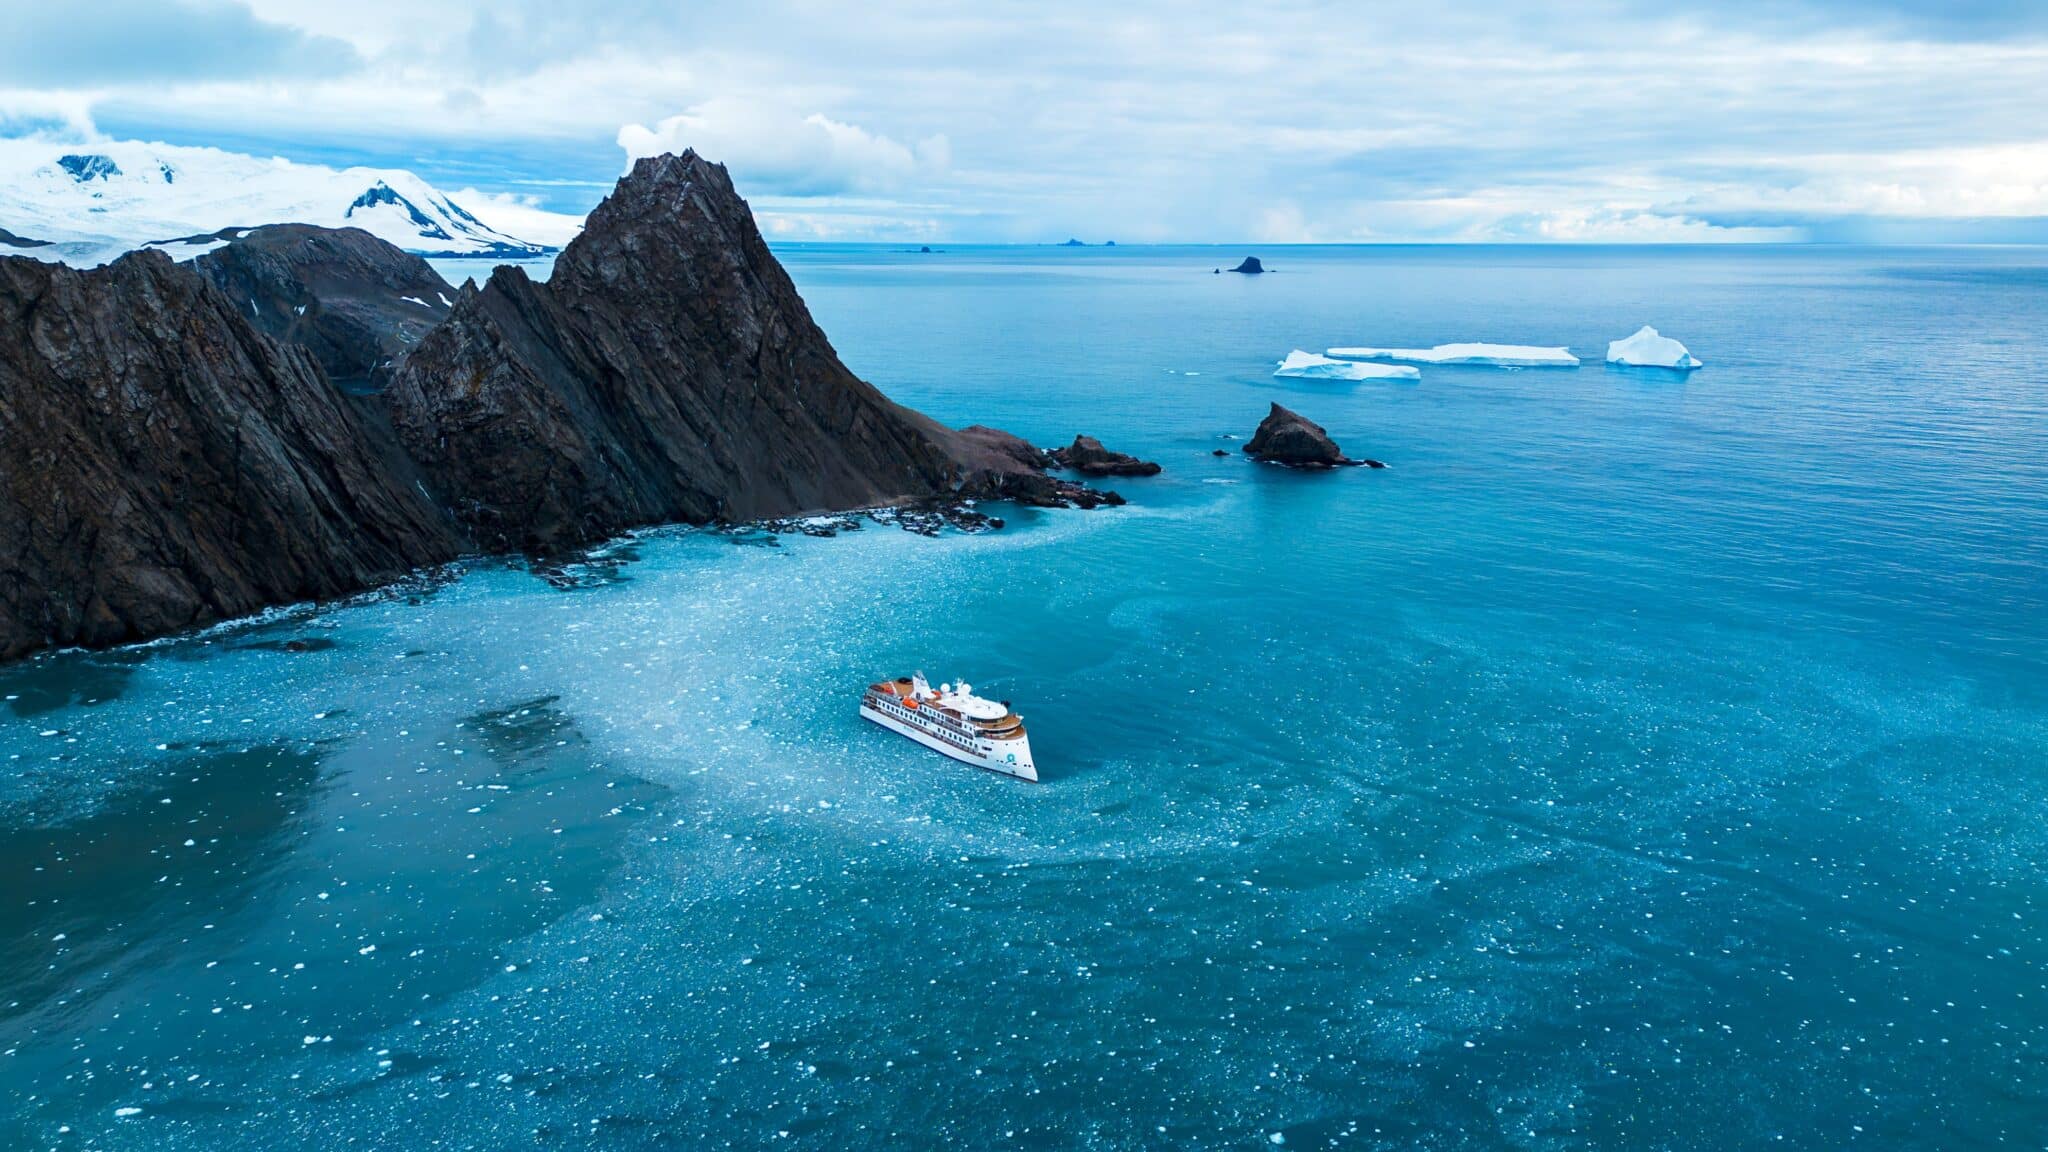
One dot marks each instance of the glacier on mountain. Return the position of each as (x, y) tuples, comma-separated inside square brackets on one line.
[(87, 204)]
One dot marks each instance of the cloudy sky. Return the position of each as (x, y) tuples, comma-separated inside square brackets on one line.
[(1592, 120)]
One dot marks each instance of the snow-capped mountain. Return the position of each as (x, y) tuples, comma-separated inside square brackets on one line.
[(87, 204)]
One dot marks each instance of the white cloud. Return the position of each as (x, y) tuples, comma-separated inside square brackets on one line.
[(2000, 181), (1170, 119), (776, 149), (59, 114), (521, 215), (1634, 227)]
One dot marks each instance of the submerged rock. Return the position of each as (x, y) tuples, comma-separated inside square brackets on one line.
[(1087, 456), (1250, 266), (1287, 437)]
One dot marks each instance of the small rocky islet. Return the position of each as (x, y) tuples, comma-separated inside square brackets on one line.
[(1288, 438)]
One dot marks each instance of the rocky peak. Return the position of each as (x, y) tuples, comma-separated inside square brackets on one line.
[(356, 302), (667, 370), (89, 167)]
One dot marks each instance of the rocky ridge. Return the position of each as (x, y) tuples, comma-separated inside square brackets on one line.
[(164, 464), (308, 412)]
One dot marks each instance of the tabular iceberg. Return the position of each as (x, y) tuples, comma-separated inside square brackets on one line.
[(1646, 349), (1497, 355), (1309, 366)]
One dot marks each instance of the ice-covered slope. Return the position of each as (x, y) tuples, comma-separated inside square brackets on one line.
[(1496, 355), (90, 203)]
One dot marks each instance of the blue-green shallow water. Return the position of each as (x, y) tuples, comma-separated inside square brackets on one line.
[(1638, 762)]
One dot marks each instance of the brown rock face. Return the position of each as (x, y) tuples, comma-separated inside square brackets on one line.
[(163, 464), (1087, 456), (667, 371), (995, 465), (1287, 437), (357, 303)]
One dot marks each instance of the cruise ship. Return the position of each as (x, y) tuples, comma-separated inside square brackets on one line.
[(953, 720)]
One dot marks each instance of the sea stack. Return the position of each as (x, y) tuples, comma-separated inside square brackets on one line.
[(1289, 438), (1250, 266)]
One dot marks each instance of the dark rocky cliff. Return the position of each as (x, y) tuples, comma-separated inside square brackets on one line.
[(667, 370), (357, 303), (299, 415), (163, 464)]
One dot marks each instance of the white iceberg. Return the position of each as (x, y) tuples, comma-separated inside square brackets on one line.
[(1309, 366), (1497, 355), (1646, 349)]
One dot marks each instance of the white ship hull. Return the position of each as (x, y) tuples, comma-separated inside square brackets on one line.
[(1008, 757)]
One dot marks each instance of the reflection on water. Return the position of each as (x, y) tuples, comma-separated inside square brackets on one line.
[(64, 679), (115, 891), (221, 908)]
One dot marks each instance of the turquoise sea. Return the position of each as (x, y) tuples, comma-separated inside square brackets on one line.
[(1638, 762)]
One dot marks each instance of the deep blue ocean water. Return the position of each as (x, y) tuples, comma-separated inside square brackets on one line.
[(1640, 761)]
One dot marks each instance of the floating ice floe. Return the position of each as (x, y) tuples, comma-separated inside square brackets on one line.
[(1308, 365), (1646, 349), (1497, 355)]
